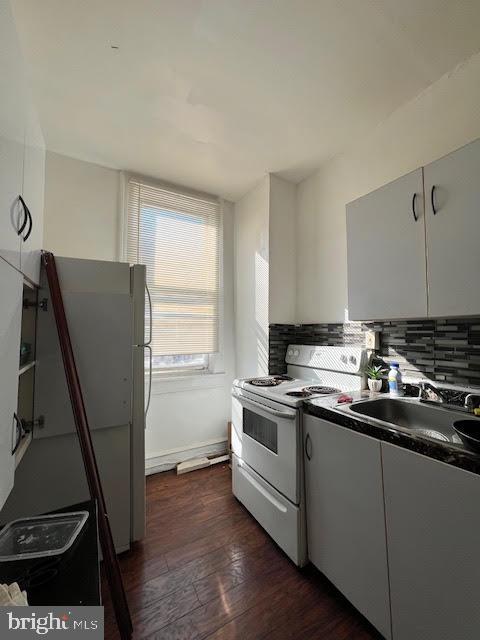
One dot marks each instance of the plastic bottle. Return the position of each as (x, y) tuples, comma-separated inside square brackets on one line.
[(395, 383)]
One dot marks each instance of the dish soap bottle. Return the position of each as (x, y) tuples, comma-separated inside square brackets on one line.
[(395, 383)]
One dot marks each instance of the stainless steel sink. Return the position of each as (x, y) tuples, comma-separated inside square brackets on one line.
[(410, 414)]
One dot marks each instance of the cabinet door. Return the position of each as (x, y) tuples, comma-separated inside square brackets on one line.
[(12, 133), (98, 307), (52, 475), (11, 286), (345, 516), (33, 194), (386, 252), (452, 190), (433, 524)]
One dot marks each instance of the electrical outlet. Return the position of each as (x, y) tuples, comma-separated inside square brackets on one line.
[(372, 340)]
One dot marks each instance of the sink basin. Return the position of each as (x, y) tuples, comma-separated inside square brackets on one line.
[(410, 414)]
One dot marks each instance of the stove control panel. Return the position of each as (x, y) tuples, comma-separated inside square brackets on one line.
[(332, 358)]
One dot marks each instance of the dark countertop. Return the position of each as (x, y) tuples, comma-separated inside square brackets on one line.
[(76, 579), (453, 454)]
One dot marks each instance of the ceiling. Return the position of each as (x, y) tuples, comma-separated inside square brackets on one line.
[(213, 94)]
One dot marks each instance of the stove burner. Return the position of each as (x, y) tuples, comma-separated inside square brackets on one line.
[(265, 382), (324, 391), (299, 394), (269, 381)]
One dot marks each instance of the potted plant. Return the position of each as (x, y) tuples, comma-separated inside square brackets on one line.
[(374, 375)]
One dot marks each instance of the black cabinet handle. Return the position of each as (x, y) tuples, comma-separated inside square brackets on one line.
[(18, 432), (415, 217), (25, 215), (308, 450), (26, 236), (432, 200)]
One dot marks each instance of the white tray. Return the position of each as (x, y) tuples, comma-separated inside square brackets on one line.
[(40, 536)]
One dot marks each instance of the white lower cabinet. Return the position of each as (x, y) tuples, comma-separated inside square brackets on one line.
[(367, 501), (11, 286), (345, 516), (433, 524)]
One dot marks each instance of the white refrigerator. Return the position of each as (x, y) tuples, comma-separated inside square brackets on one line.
[(105, 308)]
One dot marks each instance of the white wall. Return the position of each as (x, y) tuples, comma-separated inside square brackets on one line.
[(251, 281), (82, 214), (442, 118), (81, 208), (265, 268), (282, 251)]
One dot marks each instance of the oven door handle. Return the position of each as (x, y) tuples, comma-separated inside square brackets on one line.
[(256, 485), (263, 407)]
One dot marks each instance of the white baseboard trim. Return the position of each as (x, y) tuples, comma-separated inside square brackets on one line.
[(170, 460)]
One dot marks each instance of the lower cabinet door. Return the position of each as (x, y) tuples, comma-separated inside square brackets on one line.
[(345, 516), (433, 524), (11, 286)]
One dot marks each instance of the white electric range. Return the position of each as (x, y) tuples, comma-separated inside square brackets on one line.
[(267, 436)]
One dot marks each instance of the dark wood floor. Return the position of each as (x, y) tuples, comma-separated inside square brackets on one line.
[(206, 569)]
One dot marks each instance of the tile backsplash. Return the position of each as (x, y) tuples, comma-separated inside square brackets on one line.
[(441, 350)]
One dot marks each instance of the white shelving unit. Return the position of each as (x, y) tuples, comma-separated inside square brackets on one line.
[(22, 181), (22, 448), (26, 372), (26, 367)]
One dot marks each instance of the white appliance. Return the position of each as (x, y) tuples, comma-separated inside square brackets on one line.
[(267, 436), (105, 308)]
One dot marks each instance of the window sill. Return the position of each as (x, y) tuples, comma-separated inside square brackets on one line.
[(188, 382)]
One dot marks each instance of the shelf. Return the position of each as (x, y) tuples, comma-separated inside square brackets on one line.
[(31, 285), (22, 447), (26, 367)]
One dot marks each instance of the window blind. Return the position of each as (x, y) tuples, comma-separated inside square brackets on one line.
[(178, 238)]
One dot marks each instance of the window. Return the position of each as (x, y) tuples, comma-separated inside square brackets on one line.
[(178, 237)]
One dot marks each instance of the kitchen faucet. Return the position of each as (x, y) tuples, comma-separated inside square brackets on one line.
[(472, 401), (427, 386)]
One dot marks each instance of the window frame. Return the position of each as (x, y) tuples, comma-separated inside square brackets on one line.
[(178, 372), (215, 360)]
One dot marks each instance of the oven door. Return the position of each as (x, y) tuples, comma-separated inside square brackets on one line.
[(266, 437)]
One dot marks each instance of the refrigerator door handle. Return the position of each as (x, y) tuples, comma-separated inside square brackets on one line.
[(149, 395), (150, 355), (149, 341)]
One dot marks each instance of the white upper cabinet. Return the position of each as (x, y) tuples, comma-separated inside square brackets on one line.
[(413, 245), (452, 193), (22, 158), (12, 136), (10, 329), (386, 252), (33, 194)]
